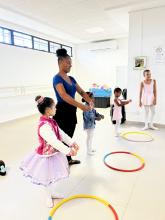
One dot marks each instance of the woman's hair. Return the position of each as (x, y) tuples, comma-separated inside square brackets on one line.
[(61, 54), (145, 71), (90, 94), (117, 90), (43, 103)]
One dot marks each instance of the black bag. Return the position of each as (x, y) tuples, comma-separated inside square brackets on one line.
[(123, 119), (124, 93)]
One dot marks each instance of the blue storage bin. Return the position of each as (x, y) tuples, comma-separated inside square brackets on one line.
[(101, 92)]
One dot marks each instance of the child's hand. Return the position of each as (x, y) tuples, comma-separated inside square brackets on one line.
[(130, 100), (98, 117), (72, 152), (102, 116), (140, 104), (75, 146)]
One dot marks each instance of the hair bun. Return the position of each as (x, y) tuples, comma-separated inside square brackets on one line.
[(37, 98), (61, 52)]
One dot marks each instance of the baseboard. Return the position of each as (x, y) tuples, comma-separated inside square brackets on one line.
[(142, 124)]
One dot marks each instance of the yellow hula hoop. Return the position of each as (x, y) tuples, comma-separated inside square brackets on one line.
[(54, 209), (140, 158), (124, 135)]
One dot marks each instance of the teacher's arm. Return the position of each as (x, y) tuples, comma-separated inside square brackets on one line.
[(83, 93), (67, 98)]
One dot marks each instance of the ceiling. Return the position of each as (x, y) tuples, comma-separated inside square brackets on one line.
[(86, 20)]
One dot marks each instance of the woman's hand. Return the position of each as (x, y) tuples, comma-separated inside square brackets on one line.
[(91, 104), (85, 108)]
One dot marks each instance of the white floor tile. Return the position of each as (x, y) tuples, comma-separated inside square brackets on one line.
[(135, 196)]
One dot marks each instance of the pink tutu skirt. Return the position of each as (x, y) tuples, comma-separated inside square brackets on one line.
[(45, 170), (117, 115)]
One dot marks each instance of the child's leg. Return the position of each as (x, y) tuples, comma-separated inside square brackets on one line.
[(90, 133), (49, 201), (52, 194), (152, 108), (146, 108), (117, 127)]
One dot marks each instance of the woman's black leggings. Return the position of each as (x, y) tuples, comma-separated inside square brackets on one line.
[(66, 119)]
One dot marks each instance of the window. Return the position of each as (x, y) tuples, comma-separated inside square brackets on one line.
[(40, 44), (22, 40), (16, 38), (69, 50), (5, 36), (54, 47)]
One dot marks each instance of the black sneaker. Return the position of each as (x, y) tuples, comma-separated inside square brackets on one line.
[(72, 162), (2, 168)]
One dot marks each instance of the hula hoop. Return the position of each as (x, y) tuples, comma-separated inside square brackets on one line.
[(54, 209), (124, 135), (125, 170)]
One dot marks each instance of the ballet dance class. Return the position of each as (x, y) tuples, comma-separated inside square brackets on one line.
[(82, 110)]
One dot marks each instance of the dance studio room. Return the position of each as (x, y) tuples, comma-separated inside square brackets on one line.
[(82, 121)]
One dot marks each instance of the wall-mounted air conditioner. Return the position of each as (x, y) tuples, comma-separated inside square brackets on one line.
[(103, 45)]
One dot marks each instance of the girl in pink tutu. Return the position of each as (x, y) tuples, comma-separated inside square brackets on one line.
[(48, 163), (117, 114), (148, 98)]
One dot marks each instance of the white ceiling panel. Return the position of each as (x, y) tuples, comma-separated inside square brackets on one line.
[(75, 17)]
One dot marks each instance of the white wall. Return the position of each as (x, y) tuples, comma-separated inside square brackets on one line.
[(146, 33), (24, 74), (100, 67)]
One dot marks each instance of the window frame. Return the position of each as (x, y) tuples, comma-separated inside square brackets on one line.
[(11, 31), (69, 47), (19, 32), (54, 43), (39, 38), (3, 28)]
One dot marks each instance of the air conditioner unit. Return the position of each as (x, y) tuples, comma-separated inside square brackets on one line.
[(103, 45)]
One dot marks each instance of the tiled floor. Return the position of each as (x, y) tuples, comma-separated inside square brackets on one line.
[(135, 196)]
